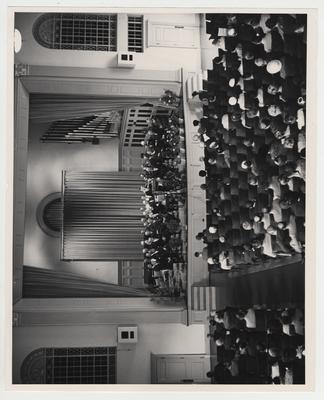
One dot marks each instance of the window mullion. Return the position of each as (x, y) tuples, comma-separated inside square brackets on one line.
[(61, 23), (72, 38), (122, 35), (85, 34), (97, 32)]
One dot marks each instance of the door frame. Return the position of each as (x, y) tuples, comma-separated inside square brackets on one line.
[(29, 79), (155, 357)]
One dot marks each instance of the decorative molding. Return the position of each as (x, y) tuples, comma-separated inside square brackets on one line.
[(89, 311), (101, 87), (16, 319), (179, 74), (101, 81), (17, 285), (197, 268), (183, 37), (73, 318), (22, 70), (64, 80), (113, 73), (19, 184), (116, 304), (198, 317)]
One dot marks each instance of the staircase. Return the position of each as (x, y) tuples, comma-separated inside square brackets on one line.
[(203, 301)]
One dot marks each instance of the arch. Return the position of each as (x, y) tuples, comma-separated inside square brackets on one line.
[(64, 365), (33, 368), (49, 214), (76, 31)]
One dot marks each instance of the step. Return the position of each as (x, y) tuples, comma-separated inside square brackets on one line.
[(203, 298), (194, 83)]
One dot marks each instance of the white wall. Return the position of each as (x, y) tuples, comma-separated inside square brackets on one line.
[(156, 58), (133, 361), (44, 176), (135, 366)]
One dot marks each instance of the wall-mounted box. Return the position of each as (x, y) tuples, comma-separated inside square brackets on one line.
[(126, 59), (127, 334)]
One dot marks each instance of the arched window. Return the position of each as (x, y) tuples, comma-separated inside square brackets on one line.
[(70, 31), (70, 365)]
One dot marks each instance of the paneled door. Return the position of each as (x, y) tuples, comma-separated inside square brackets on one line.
[(161, 35), (180, 368)]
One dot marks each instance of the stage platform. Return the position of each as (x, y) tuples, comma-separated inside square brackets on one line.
[(200, 297)]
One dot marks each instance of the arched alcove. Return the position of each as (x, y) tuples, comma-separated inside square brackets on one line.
[(49, 214)]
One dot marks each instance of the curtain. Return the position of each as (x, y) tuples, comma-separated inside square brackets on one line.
[(41, 282), (101, 216), (53, 107)]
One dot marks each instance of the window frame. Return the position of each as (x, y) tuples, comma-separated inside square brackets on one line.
[(71, 365), (86, 46), (143, 32)]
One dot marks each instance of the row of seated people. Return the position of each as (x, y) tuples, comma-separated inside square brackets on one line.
[(258, 346), (254, 139), (163, 194)]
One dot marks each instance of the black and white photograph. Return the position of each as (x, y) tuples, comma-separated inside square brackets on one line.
[(159, 197)]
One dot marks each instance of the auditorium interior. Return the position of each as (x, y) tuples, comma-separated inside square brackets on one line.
[(159, 198)]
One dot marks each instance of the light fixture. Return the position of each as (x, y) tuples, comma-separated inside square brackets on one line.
[(17, 41)]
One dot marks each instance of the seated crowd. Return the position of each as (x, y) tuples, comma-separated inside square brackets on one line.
[(253, 134), (258, 346), (163, 195)]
